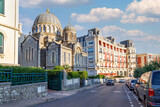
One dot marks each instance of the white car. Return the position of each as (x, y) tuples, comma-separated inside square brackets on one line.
[(121, 80)]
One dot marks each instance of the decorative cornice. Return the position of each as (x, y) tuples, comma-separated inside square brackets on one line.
[(14, 28)]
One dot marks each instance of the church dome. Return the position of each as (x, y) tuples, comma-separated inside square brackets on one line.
[(69, 27), (47, 23), (47, 18)]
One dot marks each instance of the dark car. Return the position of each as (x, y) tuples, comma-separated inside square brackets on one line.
[(110, 82), (148, 89)]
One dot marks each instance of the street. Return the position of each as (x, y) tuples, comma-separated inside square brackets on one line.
[(104, 96)]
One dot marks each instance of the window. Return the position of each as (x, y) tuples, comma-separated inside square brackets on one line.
[(44, 28), (32, 54), (90, 50), (69, 58), (156, 78), (48, 28), (29, 53), (1, 43), (53, 58), (90, 42), (39, 28), (90, 57), (36, 30), (55, 30), (26, 54), (1, 6), (64, 57)]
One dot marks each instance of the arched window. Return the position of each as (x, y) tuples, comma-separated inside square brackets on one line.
[(48, 28), (29, 53), (58, 32), (1, 43), (64, 57), (55, 30), (52, 29), (32, 54), (40, 28), (36, 29), (44, 28), (53, 57)]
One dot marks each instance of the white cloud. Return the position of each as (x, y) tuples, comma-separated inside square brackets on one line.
[(132, 18), (50, 3), (98, 14), (78, 28), (148, 7), (27, 24), (119, 32)]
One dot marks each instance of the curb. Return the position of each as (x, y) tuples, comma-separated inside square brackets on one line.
[(55, 99)]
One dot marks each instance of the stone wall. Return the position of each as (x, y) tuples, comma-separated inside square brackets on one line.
[(70, 84), (10, 93)]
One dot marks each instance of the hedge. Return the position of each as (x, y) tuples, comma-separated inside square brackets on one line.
[(97, 76), (19, 69), (55, 71), (77, 74)]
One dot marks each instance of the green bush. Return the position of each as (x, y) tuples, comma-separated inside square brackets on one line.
[(19, 69), (97, 76), (78, 74), (55, 71), (83, 74)]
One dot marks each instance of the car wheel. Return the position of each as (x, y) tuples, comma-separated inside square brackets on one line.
[(146, 103)]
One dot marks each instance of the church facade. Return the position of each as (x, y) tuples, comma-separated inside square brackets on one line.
[(49, 45)]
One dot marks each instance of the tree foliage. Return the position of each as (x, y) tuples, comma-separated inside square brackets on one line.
[(148, 67)]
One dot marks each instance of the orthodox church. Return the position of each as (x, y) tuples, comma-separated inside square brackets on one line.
[(49, 45)]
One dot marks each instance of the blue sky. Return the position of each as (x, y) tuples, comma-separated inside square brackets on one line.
[(138, 20)]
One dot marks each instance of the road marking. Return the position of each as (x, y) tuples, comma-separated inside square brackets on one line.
[(131, 104), (135, 97), (117, 92)]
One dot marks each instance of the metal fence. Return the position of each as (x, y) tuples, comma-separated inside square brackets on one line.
[(7, 75)]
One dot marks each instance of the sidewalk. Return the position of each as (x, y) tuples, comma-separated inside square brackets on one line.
[(52, 96)]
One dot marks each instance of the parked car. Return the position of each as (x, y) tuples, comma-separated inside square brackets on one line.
[(135, 88), (132, 83), (148, 89), (110, 82), (121, 80)]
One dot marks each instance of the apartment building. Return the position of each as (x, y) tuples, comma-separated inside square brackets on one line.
[(146, 58), (106, 57)]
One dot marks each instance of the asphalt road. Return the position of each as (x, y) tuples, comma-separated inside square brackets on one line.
[(103, 96)]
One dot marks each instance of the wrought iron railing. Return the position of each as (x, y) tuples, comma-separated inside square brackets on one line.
[(21, 78)]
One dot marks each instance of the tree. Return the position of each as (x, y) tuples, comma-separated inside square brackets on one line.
[(67, 68), (148, 67)]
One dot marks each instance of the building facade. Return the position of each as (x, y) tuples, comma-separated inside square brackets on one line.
[(10, 29), (50, 45), (146, 58), (106, 57)]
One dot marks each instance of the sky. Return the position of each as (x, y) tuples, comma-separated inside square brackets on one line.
[(137, 20)]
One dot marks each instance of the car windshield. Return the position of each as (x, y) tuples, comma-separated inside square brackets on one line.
[(110, 80), (133, 81), (156, 78)]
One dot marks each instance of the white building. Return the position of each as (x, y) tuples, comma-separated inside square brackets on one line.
[(9, 31)]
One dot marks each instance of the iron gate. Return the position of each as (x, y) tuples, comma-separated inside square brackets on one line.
[(55, 81)]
